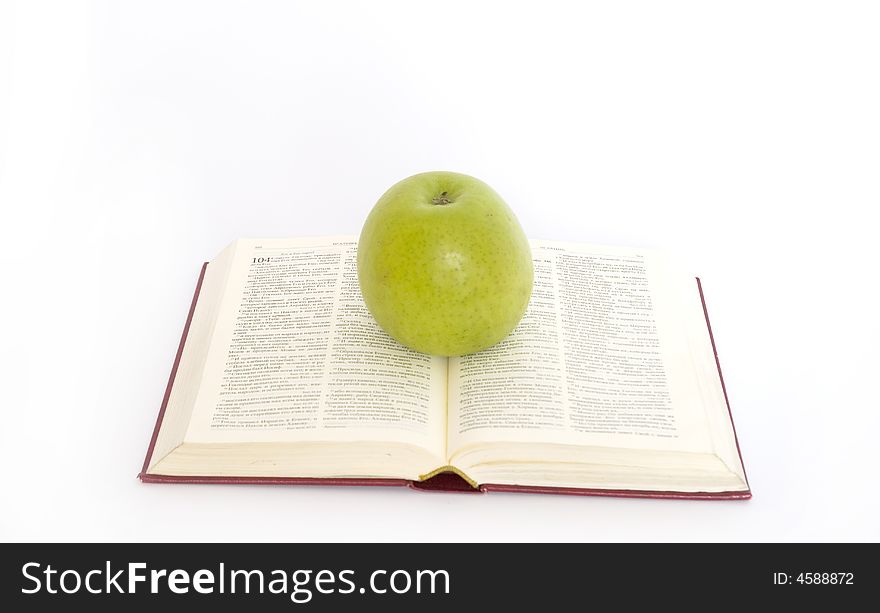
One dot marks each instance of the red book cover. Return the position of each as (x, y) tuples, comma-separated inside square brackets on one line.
[(443, 482)]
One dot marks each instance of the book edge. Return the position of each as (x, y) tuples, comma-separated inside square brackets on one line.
[(613, 493), (723, 385), (173, 375)]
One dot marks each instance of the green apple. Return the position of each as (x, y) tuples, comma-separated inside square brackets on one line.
[(444, 265)]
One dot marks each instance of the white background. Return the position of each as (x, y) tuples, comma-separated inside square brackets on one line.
[(137, 139)]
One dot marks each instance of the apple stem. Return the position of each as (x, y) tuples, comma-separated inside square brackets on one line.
[(442, 199)]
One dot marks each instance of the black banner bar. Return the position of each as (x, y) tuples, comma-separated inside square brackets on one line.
[(315, 577)]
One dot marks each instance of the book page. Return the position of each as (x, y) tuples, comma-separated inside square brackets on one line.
[(599, 359), (296, 356)]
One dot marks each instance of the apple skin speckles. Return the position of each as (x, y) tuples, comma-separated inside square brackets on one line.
[(443, 264)]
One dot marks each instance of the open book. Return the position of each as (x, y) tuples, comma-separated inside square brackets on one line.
[(609, 384)]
